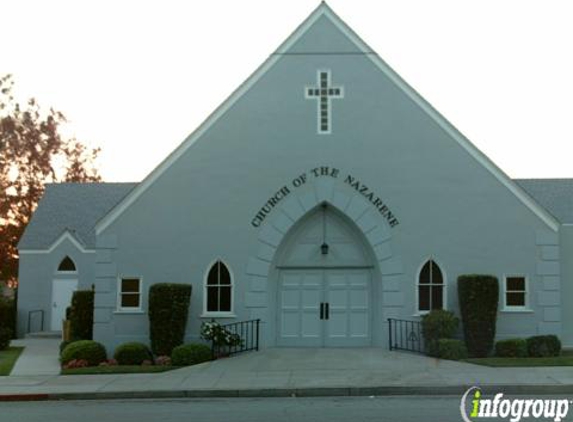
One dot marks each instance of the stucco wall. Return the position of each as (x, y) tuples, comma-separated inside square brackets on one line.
[(36, 274), (448, 205), (565, 290)]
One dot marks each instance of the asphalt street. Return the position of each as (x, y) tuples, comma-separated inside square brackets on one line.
[(343, 409)]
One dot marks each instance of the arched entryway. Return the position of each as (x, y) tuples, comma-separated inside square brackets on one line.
[(324, 285)]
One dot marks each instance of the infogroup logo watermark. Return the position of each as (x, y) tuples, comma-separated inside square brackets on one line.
[(475, 407)]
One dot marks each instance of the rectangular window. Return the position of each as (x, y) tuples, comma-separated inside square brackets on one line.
[(129, 294), (515, 292)]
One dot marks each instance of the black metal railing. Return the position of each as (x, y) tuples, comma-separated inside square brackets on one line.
[(246, 338), (30, 315), (405, 335)]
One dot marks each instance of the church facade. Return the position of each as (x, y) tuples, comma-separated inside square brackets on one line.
[(323, 197)]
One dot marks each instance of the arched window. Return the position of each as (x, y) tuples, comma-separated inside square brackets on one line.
[(431, 287), (67, 265), (218, 294)]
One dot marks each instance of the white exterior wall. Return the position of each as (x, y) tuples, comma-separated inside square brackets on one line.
[(451, 203), (37, 271)]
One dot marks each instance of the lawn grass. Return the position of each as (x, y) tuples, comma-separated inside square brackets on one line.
[(566, 359), (118, 369), (8, 358)]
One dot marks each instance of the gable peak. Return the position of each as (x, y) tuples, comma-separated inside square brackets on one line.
[(323, 31)]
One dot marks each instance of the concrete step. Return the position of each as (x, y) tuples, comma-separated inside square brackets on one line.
[(45, 334)]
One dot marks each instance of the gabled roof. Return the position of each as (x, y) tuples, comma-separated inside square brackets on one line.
[(72, 208), (555, 195), (344, 38)]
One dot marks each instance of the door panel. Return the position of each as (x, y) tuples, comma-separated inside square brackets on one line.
[(337, 298), (348, 294), (300, 295), (62, 291)]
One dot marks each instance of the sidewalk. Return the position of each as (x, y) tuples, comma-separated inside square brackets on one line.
[(300, 372), (40, 357)]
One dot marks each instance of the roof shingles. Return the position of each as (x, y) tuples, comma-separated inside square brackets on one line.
[(555, 195), (75, 207)]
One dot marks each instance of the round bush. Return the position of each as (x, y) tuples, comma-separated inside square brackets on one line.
[(452, 349), (91, 351), (190, 354), (65, 344), (132, 353), (5, 337), (543, 346), (436, 325), (511, 348)]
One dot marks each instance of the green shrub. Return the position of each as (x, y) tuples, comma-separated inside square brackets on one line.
[(91, 351), (436, 325), (511, 348), (478, 297), (5, 337), (190, 354), (168, 312), (82, 315), (543, 346), (133, 353), (64, 344), (8, 315), (452, 349)]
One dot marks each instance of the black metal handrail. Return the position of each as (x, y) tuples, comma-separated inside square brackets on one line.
[(30, 313), (405, 335), (247, 338)]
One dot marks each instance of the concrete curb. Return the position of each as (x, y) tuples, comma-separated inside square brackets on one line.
[(453, 390)]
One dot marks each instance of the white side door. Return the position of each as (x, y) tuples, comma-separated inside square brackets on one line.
[(62, 291)]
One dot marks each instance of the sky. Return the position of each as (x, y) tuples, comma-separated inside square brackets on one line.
[(137, 77)]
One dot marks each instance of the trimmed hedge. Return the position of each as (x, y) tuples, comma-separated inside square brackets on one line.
[(543, 346), (8, 315), (436, 325), (65, 344), (5, 337), (132, 353), (511, 348), (82, 315), (452, 349), (168, 312), (191, 354), (91, 351), (478, 297)]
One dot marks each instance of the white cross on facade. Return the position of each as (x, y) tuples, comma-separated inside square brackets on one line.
[(323, 93)]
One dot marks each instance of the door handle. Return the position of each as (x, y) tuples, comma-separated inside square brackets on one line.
[(327, 310), (321, 310)]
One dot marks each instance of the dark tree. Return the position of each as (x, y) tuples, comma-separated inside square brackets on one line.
[(33, 151)]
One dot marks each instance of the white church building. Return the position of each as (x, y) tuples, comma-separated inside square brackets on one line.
[(323, 197)]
